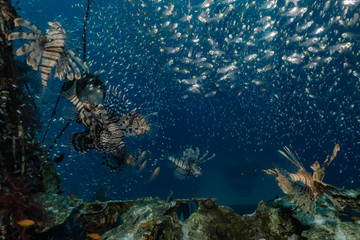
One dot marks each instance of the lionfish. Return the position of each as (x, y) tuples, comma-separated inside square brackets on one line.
[(190, 163), (106, 126), (50, 49), (301, 185)]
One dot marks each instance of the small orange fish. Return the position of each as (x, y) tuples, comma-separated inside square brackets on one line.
[(26, 223), (86, 204), (153, 222), (77, 215), (73, 195), (67, 197), (145, 225), (283, 221), (355, 218), (148, 236), (93, 235), (154, 174), (40, 224)]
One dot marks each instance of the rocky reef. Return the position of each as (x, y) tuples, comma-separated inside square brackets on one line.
[(153, 218)]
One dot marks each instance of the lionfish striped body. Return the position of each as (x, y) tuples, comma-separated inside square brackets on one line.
[(105, 130), (49, 49), (190, 163), (301, 185), (131, 123)]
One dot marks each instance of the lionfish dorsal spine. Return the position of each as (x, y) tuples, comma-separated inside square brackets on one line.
[(291, 157)]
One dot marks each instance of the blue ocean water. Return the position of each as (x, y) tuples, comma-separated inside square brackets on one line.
[(244, 114)]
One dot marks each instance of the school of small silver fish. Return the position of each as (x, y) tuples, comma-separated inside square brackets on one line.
[(190, 163), (249, 75)]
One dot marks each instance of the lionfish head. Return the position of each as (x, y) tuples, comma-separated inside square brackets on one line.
[(196, 170), (55, 27)]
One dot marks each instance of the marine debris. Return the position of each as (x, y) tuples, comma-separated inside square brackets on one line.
[(190, 163), (304, 188)]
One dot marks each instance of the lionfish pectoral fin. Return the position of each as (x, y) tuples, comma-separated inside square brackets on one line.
[(70, 112), (81, 142), (181, 174), (273, 172), (69, 93)]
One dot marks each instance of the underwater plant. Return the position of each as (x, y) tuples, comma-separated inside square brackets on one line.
[(190, 163), (19, 212), (301, 185), (50, 49)]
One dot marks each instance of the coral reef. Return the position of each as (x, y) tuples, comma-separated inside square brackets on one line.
[(152, 218), (26, 168)]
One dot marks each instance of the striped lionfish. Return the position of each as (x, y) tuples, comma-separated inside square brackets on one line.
[(50, 49), (106, 126), (301, 185), (190, 163)]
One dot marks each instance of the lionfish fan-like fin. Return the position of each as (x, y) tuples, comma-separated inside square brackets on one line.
[(70, 112), (119, 161), (334, 201), (70, 93), (27, 47), (35, 57), (126, 158), (23, 35), (78, 60), (25, 23), (290, 156), (304, 199), (112, 163), (61, 66), (76, 69), (181, 174), (69, 72), (81, 142), (203, 156)]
